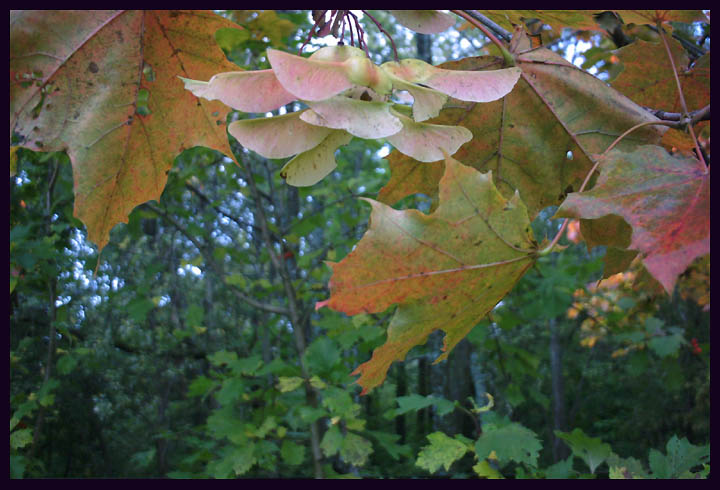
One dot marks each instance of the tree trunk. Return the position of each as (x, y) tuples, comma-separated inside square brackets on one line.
[(560, 450)]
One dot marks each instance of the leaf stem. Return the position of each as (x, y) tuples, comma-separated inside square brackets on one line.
[(509, 60), (555, 240), (686, 113)]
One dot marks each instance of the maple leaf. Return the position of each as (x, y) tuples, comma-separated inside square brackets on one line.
[(664, 198), (312, 165), (557, 19), (538, 139), (104, 86), (647, 76), (446, 270), (654, 16), (424, 21), (585, 19)]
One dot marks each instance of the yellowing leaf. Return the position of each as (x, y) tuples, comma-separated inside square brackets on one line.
[(310, 167), (653, 16), (577, 19), (279, 136), (104, 86), (446, 270), (442, 451), (364, 119), (647, 76), (426, 142)]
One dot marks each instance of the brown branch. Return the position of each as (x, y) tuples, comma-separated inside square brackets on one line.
[(468, 17), (295, 320), (694, 116)]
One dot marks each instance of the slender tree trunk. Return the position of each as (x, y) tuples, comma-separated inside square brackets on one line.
[(294, 314), (400, 390), (560, 451), (423, 389), (52, 310), (423, 43)]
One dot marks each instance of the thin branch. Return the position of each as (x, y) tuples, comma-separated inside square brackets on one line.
[(661, 31), (549, 248), (207, 255), (320, 18), (506, 55), (294, 314), (695, 116), (499, 31), (382, 29)]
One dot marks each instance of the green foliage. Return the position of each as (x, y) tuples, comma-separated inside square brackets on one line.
[(511, 442), (193, 346), (589, 449), (443, 451)]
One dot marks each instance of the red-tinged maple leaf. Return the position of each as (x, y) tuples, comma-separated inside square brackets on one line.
[(445, 270), (664, 198), (557, 19), (655, 16), (104, 86), (648, 79)]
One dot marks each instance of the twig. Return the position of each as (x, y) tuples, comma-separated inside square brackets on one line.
[(680, 92), (695, 116), (320, 18), (382, 29), (506, 54), (207, 255), (549, 248), (499, 31)]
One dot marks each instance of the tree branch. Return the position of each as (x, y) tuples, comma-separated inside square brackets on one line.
[(209, 259), (499, 31)]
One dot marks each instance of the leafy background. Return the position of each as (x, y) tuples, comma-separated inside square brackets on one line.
[(196, 350)]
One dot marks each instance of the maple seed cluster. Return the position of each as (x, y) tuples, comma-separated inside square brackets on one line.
[(347, 95)]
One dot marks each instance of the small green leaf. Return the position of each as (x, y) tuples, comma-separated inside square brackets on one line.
[(681, 457), (442, 451), (667, 345), (20, 438), (355, 449), (331, 442), (293, 454), (560, 470), (512, 442), (289, 383), (590, 449), (484, 470)]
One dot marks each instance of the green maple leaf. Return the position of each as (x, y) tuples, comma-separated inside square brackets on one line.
[(590, 449), (512, 442), (442, 451), (445, 270)]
